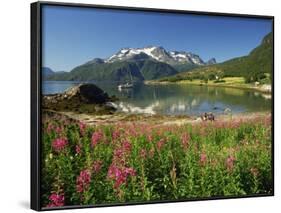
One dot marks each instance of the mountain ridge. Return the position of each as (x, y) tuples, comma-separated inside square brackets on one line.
[(137, 64)]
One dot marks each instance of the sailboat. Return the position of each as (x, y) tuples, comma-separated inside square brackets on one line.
[(127, 85)]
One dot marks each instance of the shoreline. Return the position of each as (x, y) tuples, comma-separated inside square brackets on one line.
[(243, 87), (179, 120)]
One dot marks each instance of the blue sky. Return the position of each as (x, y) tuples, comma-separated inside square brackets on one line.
[(73, 36)]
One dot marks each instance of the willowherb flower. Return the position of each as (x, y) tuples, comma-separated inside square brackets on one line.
[(203, 158), (82, 128), (97, 166), (56, 200), (149, 137), (160, 143), (78, 149), (119, 174), (185, 140), (96, 138), (83, 181), (59, 144), (118, 153), (50, 127), (58, 130), (230, 162), (143, 153), (130, 171), (127, 146), (115, 173), (115, 134)]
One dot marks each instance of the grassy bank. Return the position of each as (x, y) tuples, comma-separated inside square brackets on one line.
[(230, 82), (111, 163)]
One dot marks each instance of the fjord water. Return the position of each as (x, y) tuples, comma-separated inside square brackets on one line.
[(175, 99)]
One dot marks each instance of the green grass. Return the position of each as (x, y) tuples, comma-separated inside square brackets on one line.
[(143, 162), (232, 82)]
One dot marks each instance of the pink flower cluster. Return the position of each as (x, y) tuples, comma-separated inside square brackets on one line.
[(96, 138), (115, 134), (82, 128), (56, 200), (83, 181), (120, 174), (143, 153), (78, 149), (185, 140), (59, 144), (59, 130), (126, 146), (50, 127), (230, 162), (203, 159), (160, 143), (97, 166), (119, 170)]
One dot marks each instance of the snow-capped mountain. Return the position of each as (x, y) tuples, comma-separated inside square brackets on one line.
[(158, 54)]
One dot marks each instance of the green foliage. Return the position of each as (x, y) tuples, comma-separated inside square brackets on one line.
[(253, 67), (219, 81), (185, 67), (143, 162), (137, 70)]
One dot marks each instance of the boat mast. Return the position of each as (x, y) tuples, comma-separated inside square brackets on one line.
[(131, 76)]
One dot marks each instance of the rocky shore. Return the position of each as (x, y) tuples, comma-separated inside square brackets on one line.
[(84, 98)]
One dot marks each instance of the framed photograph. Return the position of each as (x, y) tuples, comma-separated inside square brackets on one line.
[(137, 105)]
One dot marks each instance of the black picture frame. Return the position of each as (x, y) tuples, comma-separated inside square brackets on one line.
[(36, 96)]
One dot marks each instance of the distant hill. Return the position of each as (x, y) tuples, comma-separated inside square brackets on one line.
[(47, 72), (253, 67), (138, 64), (118, 71)]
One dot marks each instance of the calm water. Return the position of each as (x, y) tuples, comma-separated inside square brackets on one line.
[(176, 99)]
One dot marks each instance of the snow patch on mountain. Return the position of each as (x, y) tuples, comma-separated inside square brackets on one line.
[(157, 53)]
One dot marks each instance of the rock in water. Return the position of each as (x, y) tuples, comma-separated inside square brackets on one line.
[(87, 93), (86, 98)]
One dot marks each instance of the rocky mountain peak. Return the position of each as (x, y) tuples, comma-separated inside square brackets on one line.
[(157, 53)]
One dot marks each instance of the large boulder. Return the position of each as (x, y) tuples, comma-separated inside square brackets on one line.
[(87, 93), (82, 98)]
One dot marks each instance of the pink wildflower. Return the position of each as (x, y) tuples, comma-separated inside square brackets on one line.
[(185, 140), (230, 162), (82, 128), (149, 137), (160, 143), (50, 128), (59, 144), (97, 166), (118, 153), (96, 137), (83, 181), (78, 149), (120, 175), (126, 146), (56, 200), (58, 130), (203, 158), (143, 153), (115, 134), (130, 171)]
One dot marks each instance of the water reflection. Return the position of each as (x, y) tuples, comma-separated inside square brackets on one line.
[(176, 99)]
